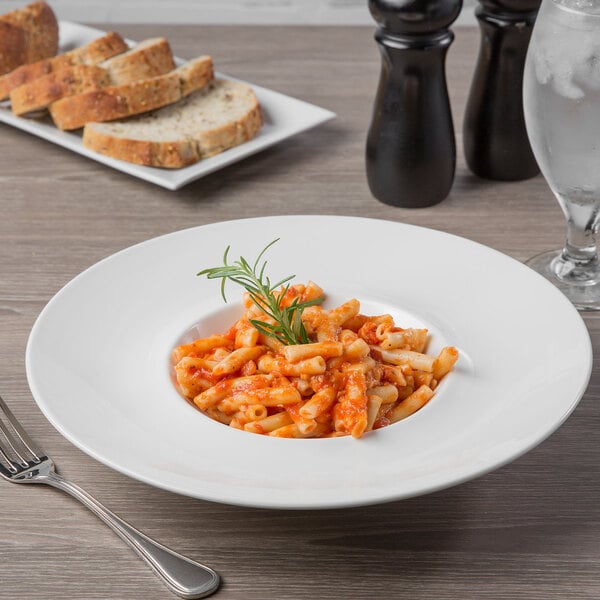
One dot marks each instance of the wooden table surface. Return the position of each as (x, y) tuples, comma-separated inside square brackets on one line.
[(529, 530)]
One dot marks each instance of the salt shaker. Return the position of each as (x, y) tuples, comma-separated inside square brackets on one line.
[(411, 150), (495, 139)]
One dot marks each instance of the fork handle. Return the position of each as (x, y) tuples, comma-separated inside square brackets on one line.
[(183, 576)]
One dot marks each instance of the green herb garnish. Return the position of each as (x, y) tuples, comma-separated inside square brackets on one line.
[(288, 327)]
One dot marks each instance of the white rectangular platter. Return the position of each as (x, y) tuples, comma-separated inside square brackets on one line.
[(283, 117)]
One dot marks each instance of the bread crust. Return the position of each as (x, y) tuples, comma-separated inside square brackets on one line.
[(96, 51), (180, 153), (44, 27), (13, 47), (40, 93), (113, 102), (39, 23), (152, 58), (102, 48), (169, 155), (117, 102), (142, 63)]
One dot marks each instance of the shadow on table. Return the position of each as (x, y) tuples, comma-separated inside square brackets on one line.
[(287, 158)]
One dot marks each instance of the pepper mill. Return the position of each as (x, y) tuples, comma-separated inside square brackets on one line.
[(496, 145), (411, 150)]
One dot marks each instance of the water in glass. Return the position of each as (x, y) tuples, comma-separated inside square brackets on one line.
[(561, 92)]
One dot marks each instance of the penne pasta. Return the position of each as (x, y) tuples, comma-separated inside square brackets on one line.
[(319, 403), (274, 396), (373, 405), (356, 350), (305, 425), (227, 387), (411, 404), (444, 362), (415, 360), (200, 347), (310, 366), (235, 360), (312, 291), (387, 393), (300, 352), (246, 337), (354, 374), (270, 423), (409, 339)]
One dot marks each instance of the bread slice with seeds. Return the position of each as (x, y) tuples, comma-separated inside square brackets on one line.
[(41, 92), (93, 53), (149, 58), (117, 102), (27, 35), (220, 116)]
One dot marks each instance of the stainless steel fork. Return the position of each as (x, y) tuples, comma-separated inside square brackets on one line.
[(21, 461)]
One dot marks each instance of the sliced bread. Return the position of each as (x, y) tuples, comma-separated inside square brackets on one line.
[(150, 58), (96, 51), (221, 115), (38, 23), (147, 59), (117, 102), (41, 92)]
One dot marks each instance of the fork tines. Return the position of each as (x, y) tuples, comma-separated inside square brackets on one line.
[(16, 447)]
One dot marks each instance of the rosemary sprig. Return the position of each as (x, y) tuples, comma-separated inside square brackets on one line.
[(288, 327)]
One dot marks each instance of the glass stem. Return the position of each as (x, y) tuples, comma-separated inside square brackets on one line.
[(580, 247)]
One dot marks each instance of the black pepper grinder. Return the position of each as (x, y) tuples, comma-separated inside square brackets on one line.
[(411, 150), (495, 139)]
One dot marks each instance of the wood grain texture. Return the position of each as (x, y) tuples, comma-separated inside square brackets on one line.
[(228, 12), (529, 530)]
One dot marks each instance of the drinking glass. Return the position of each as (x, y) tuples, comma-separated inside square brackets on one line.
[(561, 94)]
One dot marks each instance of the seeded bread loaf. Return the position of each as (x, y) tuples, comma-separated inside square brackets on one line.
[(221, 115), (117, 102), (149, 58), (13, 47), (38, 37), (91, 54)]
